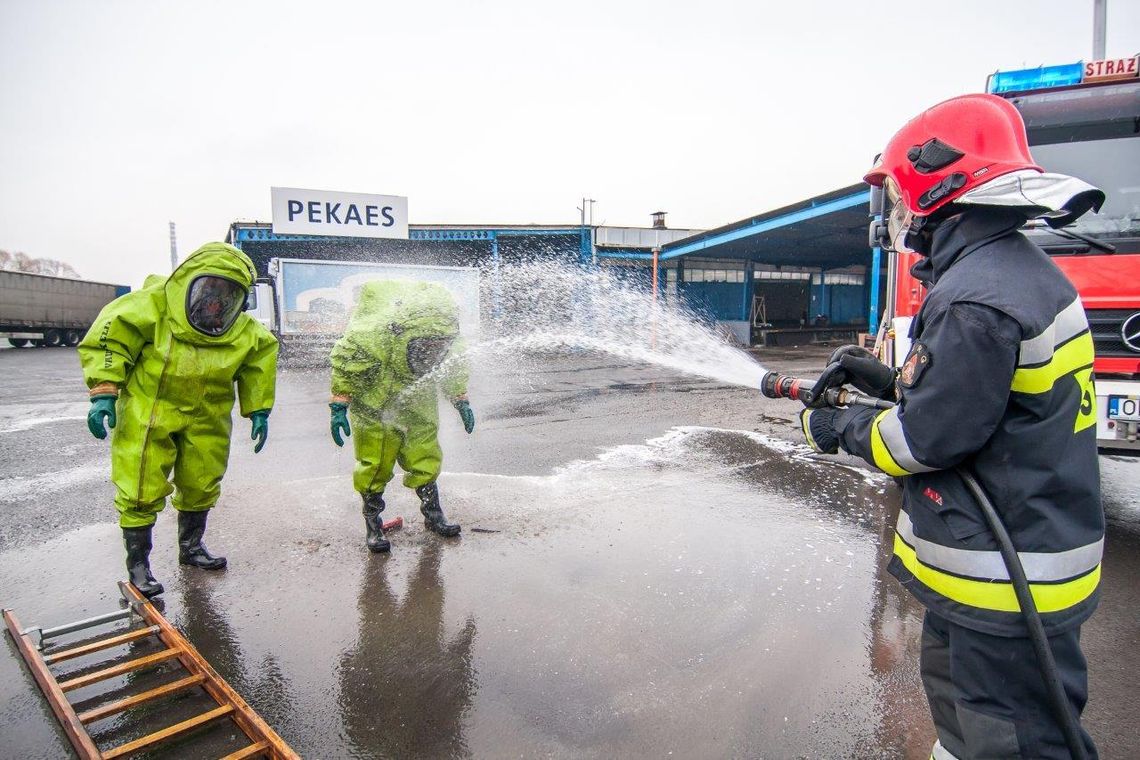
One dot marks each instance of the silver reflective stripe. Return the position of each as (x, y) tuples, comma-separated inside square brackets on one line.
[(1069, 323), (890, 428), (941, 753), (1040, 567)]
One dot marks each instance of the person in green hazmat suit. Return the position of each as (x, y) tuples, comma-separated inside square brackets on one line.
[(161, 364), (399, 333)]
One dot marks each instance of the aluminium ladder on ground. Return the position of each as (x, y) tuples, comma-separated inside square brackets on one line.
[(264, 741)]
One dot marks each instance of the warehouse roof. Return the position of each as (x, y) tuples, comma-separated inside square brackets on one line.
[(828, 230)]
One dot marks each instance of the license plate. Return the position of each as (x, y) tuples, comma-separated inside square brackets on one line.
[(1124, 408)]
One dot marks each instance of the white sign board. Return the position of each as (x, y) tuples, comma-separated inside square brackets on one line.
[(318, 296), (326, 212)]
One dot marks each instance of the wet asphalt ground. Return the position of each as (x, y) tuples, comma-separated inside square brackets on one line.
[(659, 569)]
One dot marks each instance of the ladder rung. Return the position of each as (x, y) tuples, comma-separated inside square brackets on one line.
[(81, 625), (251, 724), (250, 751), (118, 670), (100, 645), (168, 733), (137, 699)]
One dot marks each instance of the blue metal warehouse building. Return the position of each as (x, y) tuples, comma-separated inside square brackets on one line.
[(787, 276), (791, 275)]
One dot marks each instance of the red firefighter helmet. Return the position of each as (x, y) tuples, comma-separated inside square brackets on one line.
[(948, 150)]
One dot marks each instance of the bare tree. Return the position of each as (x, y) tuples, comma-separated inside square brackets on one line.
[(22, 262)]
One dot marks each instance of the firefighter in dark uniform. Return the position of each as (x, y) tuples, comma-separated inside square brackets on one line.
[(999, 381)]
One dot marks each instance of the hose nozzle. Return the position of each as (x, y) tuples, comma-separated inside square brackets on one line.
[(774, 385)]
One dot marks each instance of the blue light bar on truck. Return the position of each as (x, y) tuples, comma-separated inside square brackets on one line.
[(1040, 78)]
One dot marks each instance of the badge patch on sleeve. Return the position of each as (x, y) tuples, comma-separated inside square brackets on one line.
[(916, 363)]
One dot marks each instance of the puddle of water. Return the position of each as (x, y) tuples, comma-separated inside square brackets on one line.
[(26, 486), (679, 596)]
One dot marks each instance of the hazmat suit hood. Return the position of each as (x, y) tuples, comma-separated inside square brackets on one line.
[(154, 281), (405, 309), (425, 309), (376, 358), (215, 260), (393, 319)]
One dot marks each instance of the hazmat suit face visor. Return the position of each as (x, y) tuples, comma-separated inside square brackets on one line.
[(214, 303), (425, 354)]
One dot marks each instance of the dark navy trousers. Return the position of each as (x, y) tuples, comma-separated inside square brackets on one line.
[(987, 696)]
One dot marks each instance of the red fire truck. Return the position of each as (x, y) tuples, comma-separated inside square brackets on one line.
[(1083, 119)]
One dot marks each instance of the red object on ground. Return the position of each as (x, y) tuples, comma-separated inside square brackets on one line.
[(395, 522)]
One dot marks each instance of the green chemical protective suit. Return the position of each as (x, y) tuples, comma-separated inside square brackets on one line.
[(398, 333), (172, 353)]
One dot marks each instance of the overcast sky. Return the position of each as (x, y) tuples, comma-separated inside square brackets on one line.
[(121, 116)]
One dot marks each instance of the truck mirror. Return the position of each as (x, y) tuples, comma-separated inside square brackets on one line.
[(877, 236)]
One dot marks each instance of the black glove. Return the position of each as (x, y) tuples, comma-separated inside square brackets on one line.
[(833, 376), (866, 372), (819, 430)]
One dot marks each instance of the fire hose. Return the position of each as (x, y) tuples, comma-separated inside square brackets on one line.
[(782, 386)]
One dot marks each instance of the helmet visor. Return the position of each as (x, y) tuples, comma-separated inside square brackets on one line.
[(891, 190), (213, 304), (899, 217), (425, 354)]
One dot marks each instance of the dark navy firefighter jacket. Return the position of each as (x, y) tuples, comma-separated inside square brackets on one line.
[(998, 380)]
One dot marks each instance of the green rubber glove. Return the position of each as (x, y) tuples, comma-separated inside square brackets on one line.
[(339, 422), (260, 430), (465, 413), (102, 408)]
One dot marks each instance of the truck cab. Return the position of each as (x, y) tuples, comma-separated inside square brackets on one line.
[(1089, 130), (261, 304)]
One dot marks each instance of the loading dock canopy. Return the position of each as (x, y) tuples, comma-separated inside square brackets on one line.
[(828, 231)]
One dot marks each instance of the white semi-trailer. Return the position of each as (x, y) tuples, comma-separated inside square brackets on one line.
[(39, 310)]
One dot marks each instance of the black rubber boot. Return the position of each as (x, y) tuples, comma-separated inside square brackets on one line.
[(137, 541), (191, 550), (433, 513), (374, 523)]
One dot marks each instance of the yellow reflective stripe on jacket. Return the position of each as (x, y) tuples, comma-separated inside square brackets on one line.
[(805, 423), (1074, 355), (1086, 414), (890, 430), (883, 459), (997, 595)]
